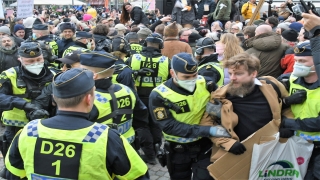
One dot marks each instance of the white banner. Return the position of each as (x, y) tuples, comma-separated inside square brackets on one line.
[(1, 11), (25, 8)]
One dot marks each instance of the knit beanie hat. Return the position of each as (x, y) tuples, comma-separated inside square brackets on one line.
[(18, 27), (171, 30), (194, 37), (28, 22), (290, 35), (296, 26), (5, 30)]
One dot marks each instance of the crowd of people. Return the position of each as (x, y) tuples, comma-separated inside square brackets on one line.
[(84, 91)]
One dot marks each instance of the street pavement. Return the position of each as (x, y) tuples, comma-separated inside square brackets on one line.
[(156, 172)]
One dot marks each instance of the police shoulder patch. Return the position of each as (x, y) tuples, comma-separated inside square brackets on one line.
[(160, 113)]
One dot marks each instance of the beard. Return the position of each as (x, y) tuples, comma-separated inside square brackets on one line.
[(244, 89), (8, 47)]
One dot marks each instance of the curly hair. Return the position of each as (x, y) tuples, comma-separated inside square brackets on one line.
[(232, 45), (101, 29)]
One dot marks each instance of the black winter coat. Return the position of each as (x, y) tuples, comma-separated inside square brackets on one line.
[(201, 12), (138, 16)]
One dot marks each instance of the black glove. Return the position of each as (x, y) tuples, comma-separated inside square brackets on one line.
[(286, 133), (30, 107), (38, 114), (237, 148), (296, 98)]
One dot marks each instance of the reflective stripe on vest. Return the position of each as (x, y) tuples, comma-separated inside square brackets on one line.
[(218, 67), (126, 101), (308, 109), (159, 65), (15, 117), (192, 106)]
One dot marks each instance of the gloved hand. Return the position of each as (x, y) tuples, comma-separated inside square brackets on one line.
[(296, 98), (286, 133), (237, 148), (219, 131), (214, 109), (38, 114), (30, 107)]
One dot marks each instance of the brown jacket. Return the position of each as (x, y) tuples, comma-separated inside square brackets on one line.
[(174, 46), (229, 119)]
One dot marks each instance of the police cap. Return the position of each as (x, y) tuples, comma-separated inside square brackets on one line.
[(184, 63), (70, 83), (98, 59), (71, 57), (29, 50), (131, 35), (83, 34), (40, 27), (154, 38), (303, 49)]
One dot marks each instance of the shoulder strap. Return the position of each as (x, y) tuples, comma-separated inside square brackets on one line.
[(116, 111), (275, 87)]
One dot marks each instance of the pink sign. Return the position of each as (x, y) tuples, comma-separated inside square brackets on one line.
[(152, 4)]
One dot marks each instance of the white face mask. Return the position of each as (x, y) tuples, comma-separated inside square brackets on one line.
[(188, 85), (89, 45), (301, 70), (35, 68)]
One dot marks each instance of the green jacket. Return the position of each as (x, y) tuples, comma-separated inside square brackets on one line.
[(222, 11)]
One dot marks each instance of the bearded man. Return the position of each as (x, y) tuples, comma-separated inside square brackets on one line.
[(8, 53), (244, 105)]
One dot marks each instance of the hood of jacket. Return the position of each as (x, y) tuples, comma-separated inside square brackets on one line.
[(265, 42)]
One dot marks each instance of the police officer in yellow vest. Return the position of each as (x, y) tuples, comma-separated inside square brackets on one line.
[(68, 146), (150, 69), (208, 63), (133, 39), (83, 42), (20, 85), (178, 105), (304, 89), (115, 103), (41, 34)]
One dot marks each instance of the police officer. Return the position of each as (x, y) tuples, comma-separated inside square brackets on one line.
[(20, 86), (150, 69), (67, 31), (68, 146), (133, 39), (208, 63), (41, 34), (178, 106), (303, 86), (115, 103), (83, 42), (123, 73)]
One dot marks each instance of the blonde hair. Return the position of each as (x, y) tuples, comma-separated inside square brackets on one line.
[(232, 46)]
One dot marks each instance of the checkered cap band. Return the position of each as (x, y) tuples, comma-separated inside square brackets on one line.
[(16, 123)]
